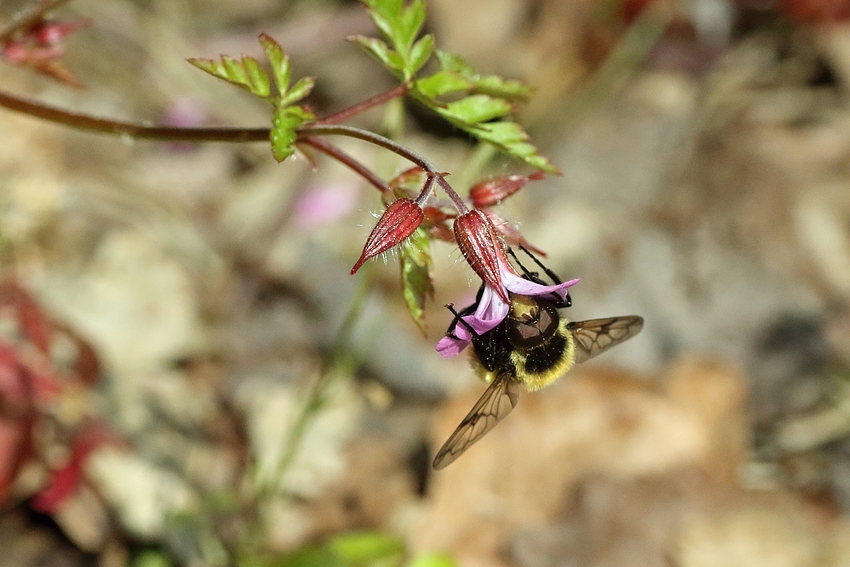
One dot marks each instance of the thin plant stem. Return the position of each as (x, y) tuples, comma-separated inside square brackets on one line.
[(133, 130), (168, 133), (347, 113), (344, 158), (339, 358), (378, 140)]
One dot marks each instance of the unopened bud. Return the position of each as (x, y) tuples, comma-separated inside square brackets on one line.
[(494, 191), (398, 222), (511, 235), (52, 32)]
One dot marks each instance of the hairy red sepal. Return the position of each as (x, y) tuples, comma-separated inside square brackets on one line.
[(398, 222), (494, 191), (477, 240)]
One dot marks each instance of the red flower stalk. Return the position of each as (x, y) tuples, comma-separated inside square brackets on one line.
[(477, 240), (398, 222)]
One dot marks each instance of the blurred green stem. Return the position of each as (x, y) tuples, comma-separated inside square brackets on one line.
[(340, 360)]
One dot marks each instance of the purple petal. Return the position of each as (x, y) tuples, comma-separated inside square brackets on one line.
[(491, 311), (522, 286), (450, 346)]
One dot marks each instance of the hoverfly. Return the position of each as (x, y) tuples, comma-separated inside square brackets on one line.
[(533, 346)]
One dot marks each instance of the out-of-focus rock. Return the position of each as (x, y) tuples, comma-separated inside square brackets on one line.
[(595, 422)]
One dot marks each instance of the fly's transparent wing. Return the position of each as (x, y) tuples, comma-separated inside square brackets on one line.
[(598, 335), (497, 402)]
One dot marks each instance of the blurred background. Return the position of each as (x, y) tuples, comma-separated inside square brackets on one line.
[(189, 376)]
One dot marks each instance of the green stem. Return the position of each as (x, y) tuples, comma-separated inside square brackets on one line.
[(339, 357)]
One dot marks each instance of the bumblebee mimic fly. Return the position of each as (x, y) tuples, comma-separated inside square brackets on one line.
[(532, 347)]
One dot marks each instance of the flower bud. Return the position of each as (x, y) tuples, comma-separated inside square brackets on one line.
[(493, 191), (398, 222), (477, 240), (52, 32)]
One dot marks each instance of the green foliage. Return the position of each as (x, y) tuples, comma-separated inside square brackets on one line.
[(416, 278), (478, 103), (285, 123), (400, 25), (487, 100), (246, 73)]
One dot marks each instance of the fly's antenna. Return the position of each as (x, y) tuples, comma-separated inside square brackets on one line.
[(566, 301), (548, 272), (530, 275)]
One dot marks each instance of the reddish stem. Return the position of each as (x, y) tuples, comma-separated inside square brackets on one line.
[(346, 159), (378, 140), (138, 131), (167, 133), (347, 113)]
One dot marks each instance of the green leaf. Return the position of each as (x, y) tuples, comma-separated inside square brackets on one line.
[(399, 24), (433, 560), (476, 108), (489, 84), (279, 61), (505, 133), (416, 277), (299, 90), (454, 63), (246, 73), (442, 83), (385, 14), (409, 24), (494, 85), (419, 55), (366, 548), (234, 69), (285, 121), (381, 51), (510, 138), (258, 80)]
